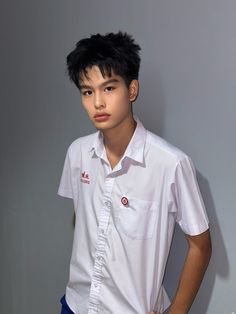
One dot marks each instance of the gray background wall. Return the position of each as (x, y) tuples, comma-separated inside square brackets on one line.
[(188, 92)]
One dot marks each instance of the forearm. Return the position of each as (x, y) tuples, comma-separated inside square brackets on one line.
[(195, 265)]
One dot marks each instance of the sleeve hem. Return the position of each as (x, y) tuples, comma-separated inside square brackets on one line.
[(194, 229), (65, 193)]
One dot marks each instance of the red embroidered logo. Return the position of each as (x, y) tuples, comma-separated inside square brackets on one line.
[(85, 178)]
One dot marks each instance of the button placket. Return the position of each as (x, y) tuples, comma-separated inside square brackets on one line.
[(100, 248)]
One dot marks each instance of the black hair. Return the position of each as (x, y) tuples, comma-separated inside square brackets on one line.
[(111, 52)]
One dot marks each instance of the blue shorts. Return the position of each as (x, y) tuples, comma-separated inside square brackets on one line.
[(65, 308)]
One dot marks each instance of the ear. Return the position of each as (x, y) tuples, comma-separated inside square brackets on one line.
[(133, 90)]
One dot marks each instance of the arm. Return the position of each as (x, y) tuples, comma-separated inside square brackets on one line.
[(195, 265)]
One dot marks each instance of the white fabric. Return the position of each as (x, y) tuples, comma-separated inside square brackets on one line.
[(120, 251)]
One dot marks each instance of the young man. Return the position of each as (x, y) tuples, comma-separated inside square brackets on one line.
[(129, 187)]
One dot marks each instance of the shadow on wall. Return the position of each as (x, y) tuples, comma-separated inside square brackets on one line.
[(219, 265), (150, 106)]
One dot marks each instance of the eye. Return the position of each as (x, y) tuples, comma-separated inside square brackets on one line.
[(109, 89), (87, 93)]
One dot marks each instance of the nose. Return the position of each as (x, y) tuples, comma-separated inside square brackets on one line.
[(98, 101)]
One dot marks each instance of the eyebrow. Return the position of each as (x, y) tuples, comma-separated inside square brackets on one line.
[(101, 85)]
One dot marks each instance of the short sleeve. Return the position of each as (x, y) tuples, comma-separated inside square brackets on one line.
[(190, 210), (65, 187)]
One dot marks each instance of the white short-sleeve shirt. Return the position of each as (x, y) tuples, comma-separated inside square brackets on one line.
[(125, 219)]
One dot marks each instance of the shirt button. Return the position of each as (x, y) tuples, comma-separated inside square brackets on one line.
[(108, 204)]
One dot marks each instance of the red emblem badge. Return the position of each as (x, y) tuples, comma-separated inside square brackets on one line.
[(124, 201)]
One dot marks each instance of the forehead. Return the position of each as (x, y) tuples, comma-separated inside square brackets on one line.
[(94, 75)]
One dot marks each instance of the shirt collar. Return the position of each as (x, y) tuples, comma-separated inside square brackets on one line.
[(98, 146), (135, 148)]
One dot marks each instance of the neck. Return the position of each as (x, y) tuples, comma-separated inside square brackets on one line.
[(116, 142)]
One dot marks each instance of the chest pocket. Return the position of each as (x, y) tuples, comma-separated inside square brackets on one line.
[(137, 219)]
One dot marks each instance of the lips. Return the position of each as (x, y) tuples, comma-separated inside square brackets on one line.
[(101, 117)]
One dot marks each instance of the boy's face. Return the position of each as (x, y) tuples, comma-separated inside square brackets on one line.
[(107, 100)]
